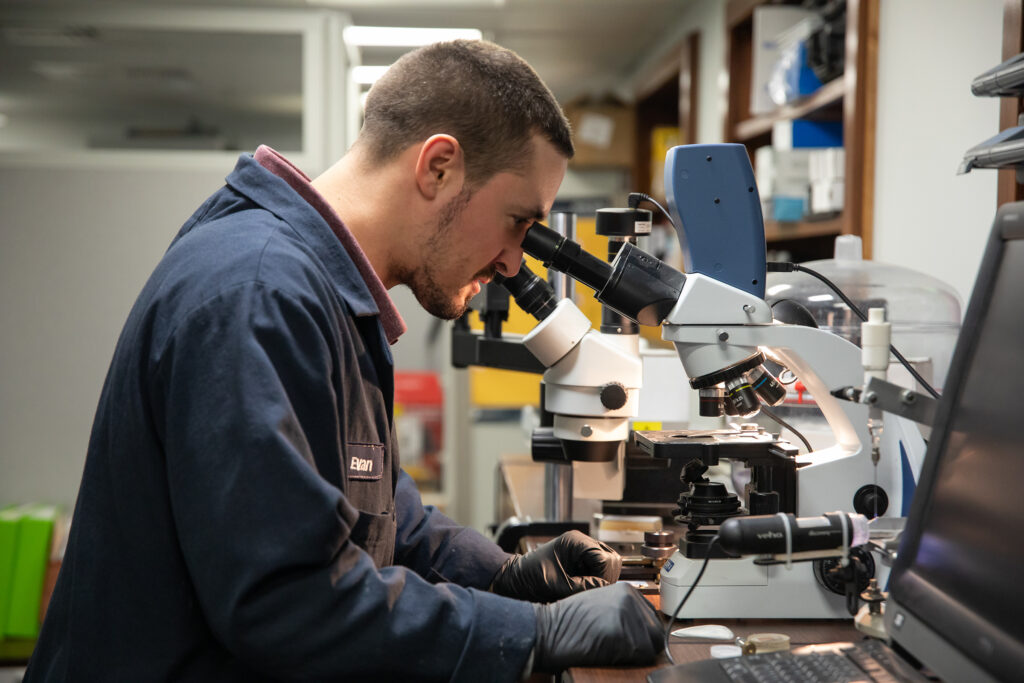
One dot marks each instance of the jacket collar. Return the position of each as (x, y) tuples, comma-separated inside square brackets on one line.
[(273, 194)]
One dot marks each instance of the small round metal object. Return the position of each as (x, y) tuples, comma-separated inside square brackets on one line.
[(760, 643), (722, 335), (658, 545), (907, 396), (748, 308), (586, 430), (870, 398), (660, 539)]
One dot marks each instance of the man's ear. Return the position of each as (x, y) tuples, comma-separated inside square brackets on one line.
[(440, 166)]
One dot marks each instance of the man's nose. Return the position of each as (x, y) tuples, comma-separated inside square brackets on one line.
[(508, 261)]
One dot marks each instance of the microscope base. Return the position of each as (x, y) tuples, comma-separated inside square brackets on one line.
[(737, 589)]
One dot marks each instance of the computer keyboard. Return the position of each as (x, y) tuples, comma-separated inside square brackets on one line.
[(866, 661)]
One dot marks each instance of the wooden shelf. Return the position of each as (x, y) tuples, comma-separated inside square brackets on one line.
[(849, 98), (775, 231), (830, 94)]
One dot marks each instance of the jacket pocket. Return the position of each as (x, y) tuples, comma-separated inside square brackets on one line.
[(376, 535)]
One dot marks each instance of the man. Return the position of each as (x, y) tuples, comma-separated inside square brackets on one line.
[(242, 514)]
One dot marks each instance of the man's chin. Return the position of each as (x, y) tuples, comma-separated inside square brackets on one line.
[(447, 308)]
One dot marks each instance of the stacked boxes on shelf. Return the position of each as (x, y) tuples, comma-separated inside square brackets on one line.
[(784, 170), (783, 180), (828, 174)]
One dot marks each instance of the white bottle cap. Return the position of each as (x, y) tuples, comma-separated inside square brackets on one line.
[(849, 248)]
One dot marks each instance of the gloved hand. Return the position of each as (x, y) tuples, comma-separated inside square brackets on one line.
[(607, 626), (571, 563)]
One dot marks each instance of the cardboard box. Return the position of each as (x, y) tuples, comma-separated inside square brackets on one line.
[(604, 134), (663, 138)]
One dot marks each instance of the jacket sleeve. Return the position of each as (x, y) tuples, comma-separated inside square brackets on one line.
[(244, 406), (437, 548)]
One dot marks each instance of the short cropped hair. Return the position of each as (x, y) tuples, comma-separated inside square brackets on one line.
[(485, 96)]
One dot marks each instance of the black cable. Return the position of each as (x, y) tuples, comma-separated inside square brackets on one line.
[(636, 197), (672, 619), (784, 267), (786, 425)]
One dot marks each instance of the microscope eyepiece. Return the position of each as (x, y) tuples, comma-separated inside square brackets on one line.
[(533, 294), (566, 256), (635, 284)]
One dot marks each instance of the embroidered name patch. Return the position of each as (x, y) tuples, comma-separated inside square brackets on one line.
[(365, 461)]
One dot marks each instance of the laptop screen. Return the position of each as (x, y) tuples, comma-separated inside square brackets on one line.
[(957, 588)]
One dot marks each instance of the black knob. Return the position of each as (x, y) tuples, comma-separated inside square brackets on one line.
[(613, 396), (871, 501), (763, 502)]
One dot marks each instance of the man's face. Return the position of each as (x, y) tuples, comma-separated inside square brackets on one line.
[(479, 233)]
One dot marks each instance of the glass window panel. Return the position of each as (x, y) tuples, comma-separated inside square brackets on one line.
[(91, 87)]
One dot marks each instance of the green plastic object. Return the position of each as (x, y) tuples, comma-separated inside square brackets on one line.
[(35, 532), (9, 518)]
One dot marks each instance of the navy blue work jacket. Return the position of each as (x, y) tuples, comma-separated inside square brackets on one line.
[(242, 515)]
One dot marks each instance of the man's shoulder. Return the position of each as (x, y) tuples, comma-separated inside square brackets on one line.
[(249, 256), (249, 246)]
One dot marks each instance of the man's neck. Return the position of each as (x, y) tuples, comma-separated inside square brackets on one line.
[(371, 204)]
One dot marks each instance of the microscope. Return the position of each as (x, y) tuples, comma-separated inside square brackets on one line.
[(725, 334), (590, 393)]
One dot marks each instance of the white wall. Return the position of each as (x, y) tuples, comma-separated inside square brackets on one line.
[(76, 246), (927, 217)]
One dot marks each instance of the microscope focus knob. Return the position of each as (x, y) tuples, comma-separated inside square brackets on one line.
[(613, 396)]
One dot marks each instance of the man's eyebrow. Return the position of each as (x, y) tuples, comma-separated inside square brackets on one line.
[(536, 213)]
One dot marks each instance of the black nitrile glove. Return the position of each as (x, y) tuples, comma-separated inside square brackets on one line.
[(614, 625), (571, 563)]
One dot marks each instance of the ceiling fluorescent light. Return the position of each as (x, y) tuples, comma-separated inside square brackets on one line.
[(393, 36), (367, 75), (408, 4)]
